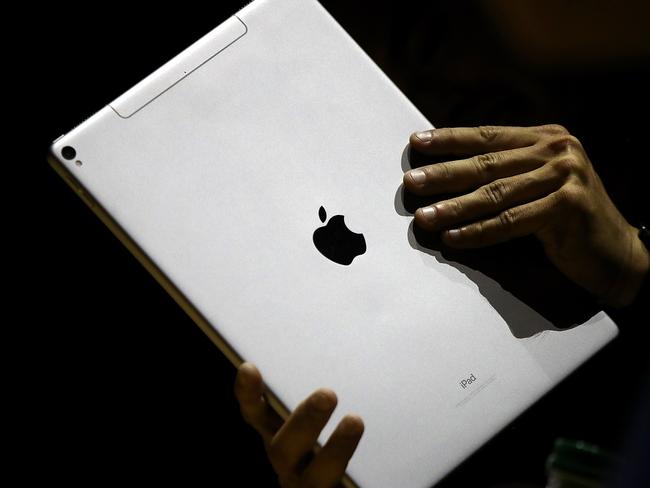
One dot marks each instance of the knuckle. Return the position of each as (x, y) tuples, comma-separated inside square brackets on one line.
[(564, 167), (570, 166), (508, 218), (495, 192), (564, 143), (571, 197), (488, 132), (456, 206), (555, 129), (486, 164), (444, 171), (476, 232), (571, 142)]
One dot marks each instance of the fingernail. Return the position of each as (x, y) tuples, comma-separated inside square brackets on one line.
[(424, 136), (453, 234), (350, 426), (322, 401), (248, 371), (429, 213), (246, 366), (418, 176)]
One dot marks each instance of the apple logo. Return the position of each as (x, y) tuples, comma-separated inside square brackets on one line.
[(336, 242)]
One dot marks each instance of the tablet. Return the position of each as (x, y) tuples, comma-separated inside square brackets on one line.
[(257, 176)]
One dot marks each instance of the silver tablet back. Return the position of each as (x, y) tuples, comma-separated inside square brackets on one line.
[(217, 170)]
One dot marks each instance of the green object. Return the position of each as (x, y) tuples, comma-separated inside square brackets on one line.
[(578, 464)]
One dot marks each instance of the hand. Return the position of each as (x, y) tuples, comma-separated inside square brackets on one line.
[(290, 445), (530, 180)]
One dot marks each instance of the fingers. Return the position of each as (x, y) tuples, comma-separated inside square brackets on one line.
[(249, 388), (489, 199), (467, 174), (297, 437), (472, 140), (290, 445), (329, 465), (509, 185), (511, 223)]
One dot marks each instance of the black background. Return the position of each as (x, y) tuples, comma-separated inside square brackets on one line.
[(115, 383)]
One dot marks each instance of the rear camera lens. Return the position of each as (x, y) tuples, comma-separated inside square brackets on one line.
[(68, 152)]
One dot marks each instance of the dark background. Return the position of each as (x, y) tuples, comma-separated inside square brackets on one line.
[(117, 384)]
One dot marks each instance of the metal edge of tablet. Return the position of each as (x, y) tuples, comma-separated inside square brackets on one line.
[(154, 270), (167, 285), (140, 89)]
